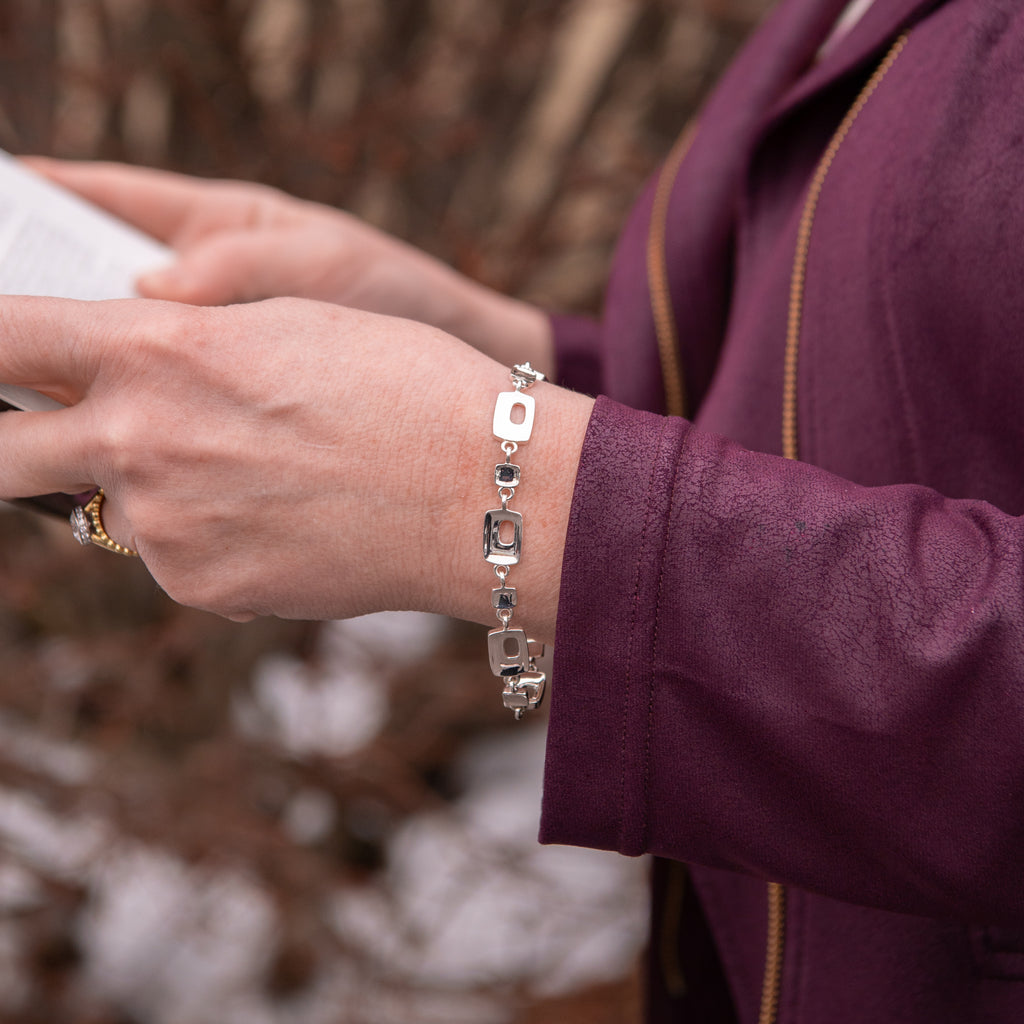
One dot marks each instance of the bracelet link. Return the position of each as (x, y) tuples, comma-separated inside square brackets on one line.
[(506, 474), (503, 598), (504, 426), (496, 550), (509, 651), (524, 693), (523, 375)]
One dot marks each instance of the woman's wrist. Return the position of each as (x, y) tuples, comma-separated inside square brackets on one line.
[(463, 578)]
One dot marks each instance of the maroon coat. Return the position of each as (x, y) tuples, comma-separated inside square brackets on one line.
[(813, 672)]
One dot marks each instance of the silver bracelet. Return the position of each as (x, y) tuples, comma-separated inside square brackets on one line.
[(513, 656)]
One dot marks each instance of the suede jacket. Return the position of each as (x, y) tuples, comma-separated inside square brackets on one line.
[(811, 671)]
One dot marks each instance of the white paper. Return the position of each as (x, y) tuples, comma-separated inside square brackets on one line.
[(53, 243)]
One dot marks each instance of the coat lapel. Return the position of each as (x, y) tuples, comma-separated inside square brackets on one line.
[(882, 22)]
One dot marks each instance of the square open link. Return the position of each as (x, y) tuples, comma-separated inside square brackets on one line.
[(504, 426), (500, 551), (508, 651)]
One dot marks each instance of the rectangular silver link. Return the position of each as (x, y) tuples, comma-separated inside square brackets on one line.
[(503, 409), (508, 651), (524, 693), (503, 598), (496, 550)]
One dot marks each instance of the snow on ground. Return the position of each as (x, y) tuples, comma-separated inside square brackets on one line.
[(337, 706), (468, 898)]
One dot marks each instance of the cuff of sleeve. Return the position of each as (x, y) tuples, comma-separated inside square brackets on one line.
[(596, 770), (576, 352)]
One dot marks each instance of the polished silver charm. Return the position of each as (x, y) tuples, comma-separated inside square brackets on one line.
[(496, 550), (508, 651), (504, 426)]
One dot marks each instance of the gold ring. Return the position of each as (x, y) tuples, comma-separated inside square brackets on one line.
[(87, 526)]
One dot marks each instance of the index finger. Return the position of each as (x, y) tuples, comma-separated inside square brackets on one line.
[(57, 346), (45, 453), (173, 208)]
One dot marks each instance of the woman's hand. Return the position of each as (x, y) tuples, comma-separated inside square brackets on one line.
[(286, 457), (239, 242)]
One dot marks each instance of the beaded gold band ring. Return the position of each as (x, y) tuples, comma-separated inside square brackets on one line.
[(87, 526)]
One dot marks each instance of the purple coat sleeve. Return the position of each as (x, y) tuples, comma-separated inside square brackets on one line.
[(763, 667), (576, 352)]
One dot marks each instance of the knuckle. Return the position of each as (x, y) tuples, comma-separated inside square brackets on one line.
[(207, 590), (262, 203), (117, 441), (179, 329), (186, 562), (153, 522), (176, 347)]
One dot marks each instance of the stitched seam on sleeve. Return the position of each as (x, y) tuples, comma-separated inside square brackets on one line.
[(654, 642), (627, 682)]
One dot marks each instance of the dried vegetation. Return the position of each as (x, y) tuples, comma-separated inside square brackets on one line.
[(506, 136)]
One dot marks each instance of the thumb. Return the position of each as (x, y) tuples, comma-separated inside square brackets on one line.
[(218, 271)]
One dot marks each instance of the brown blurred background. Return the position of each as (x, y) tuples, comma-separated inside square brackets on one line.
[(508, 137)]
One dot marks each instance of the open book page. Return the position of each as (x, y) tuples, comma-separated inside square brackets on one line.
[(53, 243)]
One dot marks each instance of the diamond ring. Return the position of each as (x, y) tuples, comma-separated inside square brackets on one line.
[(87, 526)]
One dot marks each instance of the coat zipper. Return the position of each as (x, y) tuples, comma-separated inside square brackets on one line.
[(776, 945), (675, 394), (790, 440), (672, 377)]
